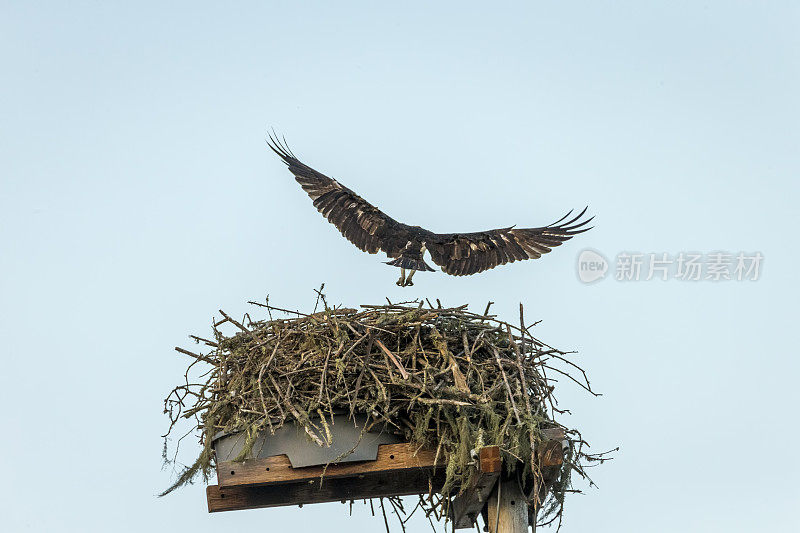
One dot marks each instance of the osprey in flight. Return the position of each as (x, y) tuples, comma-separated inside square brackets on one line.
[(459, 254)]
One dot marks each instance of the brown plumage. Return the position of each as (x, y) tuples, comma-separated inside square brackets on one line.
[(459, 254)]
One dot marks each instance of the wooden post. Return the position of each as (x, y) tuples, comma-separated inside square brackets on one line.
[(512, 508)]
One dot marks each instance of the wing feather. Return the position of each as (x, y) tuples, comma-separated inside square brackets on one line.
[(360, 222), (462, 254)]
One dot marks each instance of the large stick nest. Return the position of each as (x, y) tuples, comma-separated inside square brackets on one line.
[(444, 378)]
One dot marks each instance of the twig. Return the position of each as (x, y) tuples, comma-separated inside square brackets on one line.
[(393, 358)]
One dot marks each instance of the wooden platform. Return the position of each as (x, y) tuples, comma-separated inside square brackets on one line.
[(392, 459), (399, 470)]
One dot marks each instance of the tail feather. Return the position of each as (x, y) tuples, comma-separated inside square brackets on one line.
[(410, 264)]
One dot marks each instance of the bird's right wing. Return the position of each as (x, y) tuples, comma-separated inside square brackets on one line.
[(363, 224), (462, 254)]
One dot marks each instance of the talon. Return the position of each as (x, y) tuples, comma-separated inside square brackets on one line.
[(400, 283), (409, 283)]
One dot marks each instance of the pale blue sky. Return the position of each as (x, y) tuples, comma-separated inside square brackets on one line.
[(138, 198)]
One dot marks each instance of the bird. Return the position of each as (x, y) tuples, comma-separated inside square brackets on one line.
[(458, 254)]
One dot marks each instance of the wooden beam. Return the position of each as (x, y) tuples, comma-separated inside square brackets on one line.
[(489, 460), (550, 455), (467, 505), (403, 483), (277, 469)]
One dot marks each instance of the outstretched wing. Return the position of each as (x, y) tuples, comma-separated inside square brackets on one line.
[(360, 222), (462, 254)]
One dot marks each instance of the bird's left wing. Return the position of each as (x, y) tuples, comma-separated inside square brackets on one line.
[(360, 222), (462, 254)]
